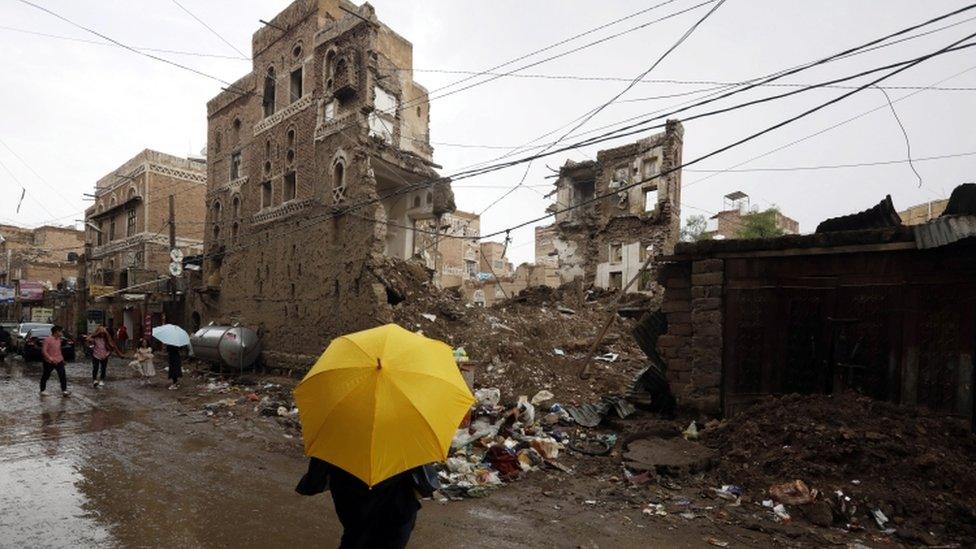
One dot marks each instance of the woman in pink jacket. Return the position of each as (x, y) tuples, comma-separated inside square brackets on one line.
[(102, 347)]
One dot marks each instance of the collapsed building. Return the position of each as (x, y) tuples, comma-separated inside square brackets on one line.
[(613, 213), (866, 304), (320, 173)]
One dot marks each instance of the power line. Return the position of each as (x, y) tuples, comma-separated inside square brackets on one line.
[(908, 143), (779, 169), (589, 116), (141, 48), (209, 28)]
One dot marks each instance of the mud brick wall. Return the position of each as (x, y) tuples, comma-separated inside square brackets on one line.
[(692, 348)]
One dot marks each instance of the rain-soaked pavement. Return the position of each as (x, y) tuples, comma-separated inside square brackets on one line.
[(137, 466)]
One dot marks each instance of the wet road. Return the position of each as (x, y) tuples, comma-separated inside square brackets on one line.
[(136, 466)]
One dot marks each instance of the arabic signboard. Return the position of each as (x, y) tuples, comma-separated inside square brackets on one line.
[(42, 314), (7, 294), (31, 290), (95, 290)]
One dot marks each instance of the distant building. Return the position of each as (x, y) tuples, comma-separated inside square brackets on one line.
[(736, 210), (923, 213), (545, 246), (38, 269), (457, 255)]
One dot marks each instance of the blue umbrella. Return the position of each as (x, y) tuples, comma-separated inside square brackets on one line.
[(170, 334)]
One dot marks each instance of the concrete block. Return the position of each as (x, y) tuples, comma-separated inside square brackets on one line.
[(706, 304), (707, 279), (707, 266)]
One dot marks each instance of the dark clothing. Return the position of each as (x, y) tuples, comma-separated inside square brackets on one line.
[(175, 363), (4, 337), (99, 365), (62, 375), (383, 516)]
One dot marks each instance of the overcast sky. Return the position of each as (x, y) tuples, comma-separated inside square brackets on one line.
[(74, 111)]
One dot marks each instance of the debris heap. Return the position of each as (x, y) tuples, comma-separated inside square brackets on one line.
[(862, 463)]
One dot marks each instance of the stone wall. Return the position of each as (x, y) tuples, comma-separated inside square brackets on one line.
[(692, 347)]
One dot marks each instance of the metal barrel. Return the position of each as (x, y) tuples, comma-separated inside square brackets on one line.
[(235, 346)]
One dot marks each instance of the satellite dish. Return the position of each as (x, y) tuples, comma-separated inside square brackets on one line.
[(176, 255), (175, 269)]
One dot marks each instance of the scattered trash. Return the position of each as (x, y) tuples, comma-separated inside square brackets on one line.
[(880, 518), (429, 316), (609, 357), (793, 493), (460, 355), (691, 433), (558, 352), (542, 396), (728, 492), (717, 542), (524, 411), (780, 511), (655, 509), (487, 397)]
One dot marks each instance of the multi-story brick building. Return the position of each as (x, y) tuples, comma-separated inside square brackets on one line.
[(128, 234), (320, 170), (620, 211), (458, 253)]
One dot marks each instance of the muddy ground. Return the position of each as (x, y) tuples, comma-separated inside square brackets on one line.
[(130, 465)]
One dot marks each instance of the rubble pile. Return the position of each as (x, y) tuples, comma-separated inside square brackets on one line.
[(245, 397), (853, 462), (533, 341)]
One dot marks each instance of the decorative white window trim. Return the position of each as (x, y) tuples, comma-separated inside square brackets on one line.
[(141, 238), (280, 211), (177, 173), (283, 114), (230, 187)]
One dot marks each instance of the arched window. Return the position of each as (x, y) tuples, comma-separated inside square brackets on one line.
[(338, 182), (113, 202), (236, 204), (234, 230), (216, 232), (269, 92), (132, 193), (216, 210), (416, 202), (430, 198)]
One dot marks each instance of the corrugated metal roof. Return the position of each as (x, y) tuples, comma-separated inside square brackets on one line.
[(944, 230), (879, 216)]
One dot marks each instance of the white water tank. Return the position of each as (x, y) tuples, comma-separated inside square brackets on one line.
[(235, 346)]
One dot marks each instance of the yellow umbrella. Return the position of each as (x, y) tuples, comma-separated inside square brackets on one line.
[(382, 401)]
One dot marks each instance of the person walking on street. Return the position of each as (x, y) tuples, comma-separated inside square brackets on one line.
[(53, 361), (175, 366), (102, 348), (122, 337), (143, 361)]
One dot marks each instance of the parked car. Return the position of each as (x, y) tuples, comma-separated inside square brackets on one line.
[(20, 334), (34, 339)]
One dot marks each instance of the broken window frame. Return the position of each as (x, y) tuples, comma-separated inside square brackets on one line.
[(650, 207), (615, 253), (130, 222), (296, 84), (235, 165), (267, 194), (268, 97), (289, 186)]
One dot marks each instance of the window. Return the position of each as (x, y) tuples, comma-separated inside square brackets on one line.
[(296, 52), (296, 85), (216, 232), (616, 280), (111, 230), (291, 188), (383, 118), (330, 111), (291, 137), (416, 202), (338, 183), (619, 178), (130, 222), (265, 194), (582, 192), (234, 229), (646, 281), (100, 234), (216, 211), (649, 167), (430, 199), (650, 199), (236, 204), (235, 166), (616, 253), (267, 148), (268, 101)]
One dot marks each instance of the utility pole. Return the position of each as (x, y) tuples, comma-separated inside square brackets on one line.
[(172, 244)]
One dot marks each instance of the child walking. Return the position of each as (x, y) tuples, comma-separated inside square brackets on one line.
[(143, 361)]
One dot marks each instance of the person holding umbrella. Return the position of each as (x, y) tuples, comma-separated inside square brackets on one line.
[(376, 408), (173, 337)]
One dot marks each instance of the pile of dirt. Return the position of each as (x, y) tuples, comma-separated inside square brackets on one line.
[(528, 343), (913, 466)]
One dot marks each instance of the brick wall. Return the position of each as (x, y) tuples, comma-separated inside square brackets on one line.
[(692, 348)]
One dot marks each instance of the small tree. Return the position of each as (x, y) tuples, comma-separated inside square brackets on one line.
[(694, 229), (760, 225)]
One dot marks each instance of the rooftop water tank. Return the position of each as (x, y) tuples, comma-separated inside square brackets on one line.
[(235, 346)]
